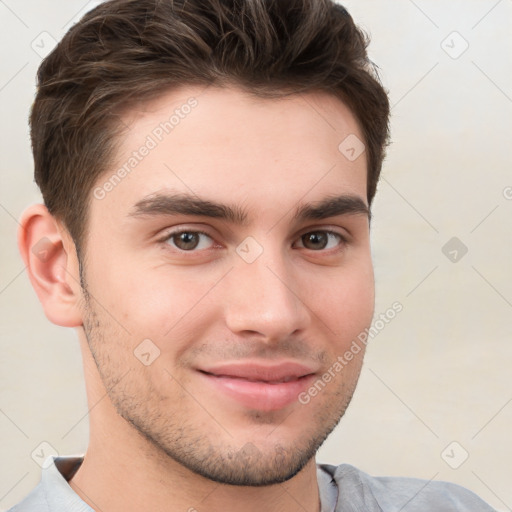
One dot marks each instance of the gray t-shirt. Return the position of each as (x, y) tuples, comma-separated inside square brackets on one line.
[(342, 488)]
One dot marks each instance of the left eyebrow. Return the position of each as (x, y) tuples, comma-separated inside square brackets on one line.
[(332, 207), (185, 204)]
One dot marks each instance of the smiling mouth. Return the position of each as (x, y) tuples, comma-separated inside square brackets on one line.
[(283, 380), (256, 386)]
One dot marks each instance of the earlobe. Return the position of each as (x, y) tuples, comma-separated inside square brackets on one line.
[(50, 258)]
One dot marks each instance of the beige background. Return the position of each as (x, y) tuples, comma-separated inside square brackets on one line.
[(440, 371)]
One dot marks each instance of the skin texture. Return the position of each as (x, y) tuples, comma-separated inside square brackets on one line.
[(161, 437)]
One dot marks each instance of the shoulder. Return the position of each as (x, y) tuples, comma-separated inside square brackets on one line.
[(401, 493)]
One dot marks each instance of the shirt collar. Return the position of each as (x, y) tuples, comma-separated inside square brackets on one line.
[(56, 473)]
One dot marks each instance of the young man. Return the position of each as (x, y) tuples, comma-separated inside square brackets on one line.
[(208, 169)]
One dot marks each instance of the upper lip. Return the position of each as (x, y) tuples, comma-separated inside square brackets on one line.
[(254, 371)]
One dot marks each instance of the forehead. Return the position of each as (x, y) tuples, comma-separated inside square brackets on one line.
[(224, 144)]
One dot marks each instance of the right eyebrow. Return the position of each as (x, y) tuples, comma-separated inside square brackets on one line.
[(185, 204)]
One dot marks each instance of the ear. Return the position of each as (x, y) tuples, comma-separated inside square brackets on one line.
[(50, 257)]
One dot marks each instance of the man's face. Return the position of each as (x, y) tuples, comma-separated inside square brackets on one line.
[(208, 322)]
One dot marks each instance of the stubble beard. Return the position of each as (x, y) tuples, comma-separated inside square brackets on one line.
[(200, 451)]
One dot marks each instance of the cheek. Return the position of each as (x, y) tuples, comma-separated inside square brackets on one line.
[(158, 303), (343, 300), (356, 301)]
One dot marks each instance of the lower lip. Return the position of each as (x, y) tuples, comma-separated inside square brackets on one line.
[(261, 396)]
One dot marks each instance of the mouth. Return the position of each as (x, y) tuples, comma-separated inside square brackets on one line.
[(257, 386), (249, 379)]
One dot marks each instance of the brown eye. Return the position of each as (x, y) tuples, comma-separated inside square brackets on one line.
[(319, 240), (189, 240)]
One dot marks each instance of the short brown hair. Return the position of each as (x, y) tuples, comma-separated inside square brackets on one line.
[(127, 51)]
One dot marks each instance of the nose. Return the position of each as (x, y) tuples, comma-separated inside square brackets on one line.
[(265, 300)]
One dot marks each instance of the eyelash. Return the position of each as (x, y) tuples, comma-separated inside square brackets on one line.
[(168, 236)]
